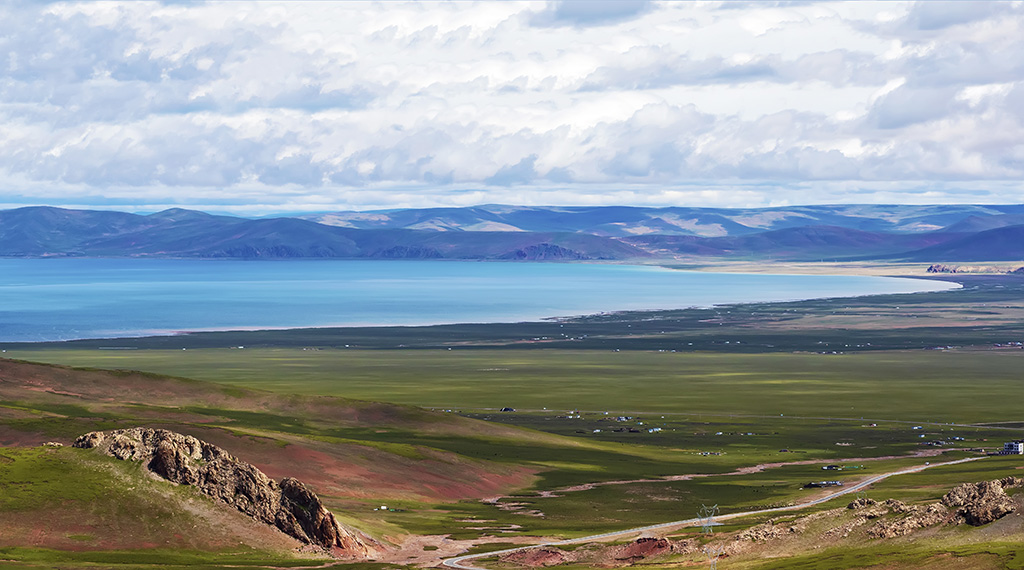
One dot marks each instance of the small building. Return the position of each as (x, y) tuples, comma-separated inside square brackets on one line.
[(1013, 448)]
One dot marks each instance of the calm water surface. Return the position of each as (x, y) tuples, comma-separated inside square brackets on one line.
[(60, 299)]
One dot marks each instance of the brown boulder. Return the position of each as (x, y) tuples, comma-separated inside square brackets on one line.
[(1011, 482), (861, 503), (979, 503)]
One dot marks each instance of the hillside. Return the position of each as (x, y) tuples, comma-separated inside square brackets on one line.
[(623, 221), (807, 242), (443, 476), (999, 244), (70, 500), (54, 232), (509, 233), (84, 508)]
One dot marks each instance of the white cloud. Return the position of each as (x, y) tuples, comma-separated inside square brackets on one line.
[(577, 13), (326, 105)]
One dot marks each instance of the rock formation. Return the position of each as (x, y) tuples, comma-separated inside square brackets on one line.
[(288, 505), (971, 503), (537, 557), (767, 531), (861, 503), (981, 503), (915, 517), (601, 556)]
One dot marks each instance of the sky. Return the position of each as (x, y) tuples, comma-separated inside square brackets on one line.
[(268, 108)]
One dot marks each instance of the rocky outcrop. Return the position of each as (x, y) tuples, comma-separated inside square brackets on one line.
[(868, 509), (768, 531), (915, 517), (1010, 482), (980, 503), (603, 556), (861, 503), (288, 505), (972, 503)]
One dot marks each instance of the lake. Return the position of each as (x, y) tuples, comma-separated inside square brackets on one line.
[(63, 299)]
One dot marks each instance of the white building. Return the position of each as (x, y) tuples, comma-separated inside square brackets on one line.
[(1013, 448)]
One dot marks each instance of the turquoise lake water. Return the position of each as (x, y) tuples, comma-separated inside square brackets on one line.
[(61, 299)]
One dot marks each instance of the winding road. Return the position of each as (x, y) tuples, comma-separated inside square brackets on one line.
[(464, 562)]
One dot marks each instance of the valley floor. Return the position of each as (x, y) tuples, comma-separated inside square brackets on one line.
[(537, 432)]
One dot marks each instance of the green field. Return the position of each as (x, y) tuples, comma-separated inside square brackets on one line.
[(630, 423), (955, 386), (714, 413)]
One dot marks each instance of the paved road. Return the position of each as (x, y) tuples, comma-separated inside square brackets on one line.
[(464, 562)]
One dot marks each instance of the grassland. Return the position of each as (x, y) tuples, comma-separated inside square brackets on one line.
[(93, 510), (951, 386), (788, 387), (563, 448)]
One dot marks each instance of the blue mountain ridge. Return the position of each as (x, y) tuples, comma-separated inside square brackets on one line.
[(917, 233)]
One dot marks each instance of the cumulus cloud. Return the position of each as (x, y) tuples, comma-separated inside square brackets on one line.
[(944, 14), (300, 106), (521, 172), (584, 13)]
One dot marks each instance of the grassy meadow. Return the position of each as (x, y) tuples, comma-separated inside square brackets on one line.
[(947, 386), (713, 414), (600, 439)]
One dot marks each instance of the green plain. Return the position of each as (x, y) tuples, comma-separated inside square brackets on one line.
[(591, 415), (964, 386)]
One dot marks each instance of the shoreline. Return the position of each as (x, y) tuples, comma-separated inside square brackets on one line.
[(865, 269), (111, 342)]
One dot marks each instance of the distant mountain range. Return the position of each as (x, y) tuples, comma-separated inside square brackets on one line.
[(621, 221), (941, 233)]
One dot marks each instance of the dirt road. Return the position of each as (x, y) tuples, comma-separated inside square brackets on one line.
[(465, 562)]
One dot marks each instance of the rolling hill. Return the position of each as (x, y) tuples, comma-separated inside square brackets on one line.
[(999, 244), (946, 233), (622, 221)]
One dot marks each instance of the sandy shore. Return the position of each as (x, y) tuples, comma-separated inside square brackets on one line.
[(867, 268), (807, 268)]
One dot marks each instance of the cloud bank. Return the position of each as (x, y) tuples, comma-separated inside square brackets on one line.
[(266, 107)]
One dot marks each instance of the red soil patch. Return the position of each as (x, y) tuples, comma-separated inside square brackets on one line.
[(642, 548), (14, 438), (536, 557), (358, 471), (341, 470)]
